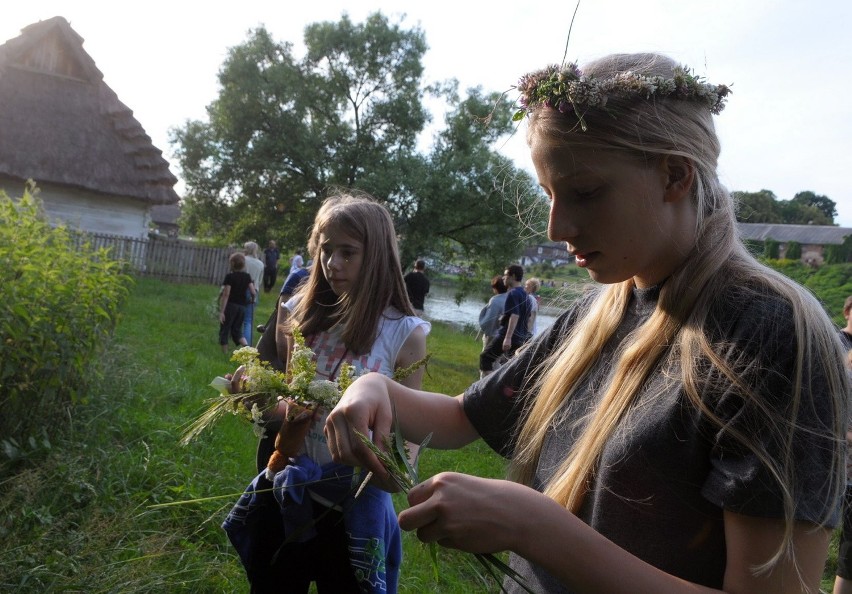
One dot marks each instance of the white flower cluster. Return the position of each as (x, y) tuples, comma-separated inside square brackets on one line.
[(324, 392)]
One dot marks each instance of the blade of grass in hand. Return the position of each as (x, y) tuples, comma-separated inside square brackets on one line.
[(400, 470)]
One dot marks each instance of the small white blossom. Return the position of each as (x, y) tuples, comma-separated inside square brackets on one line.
[(257, 421), (324, 392)]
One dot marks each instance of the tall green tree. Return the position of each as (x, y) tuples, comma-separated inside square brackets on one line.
[(471, 204), (824, 204), (806, 208), (757, 207), (283, 131)]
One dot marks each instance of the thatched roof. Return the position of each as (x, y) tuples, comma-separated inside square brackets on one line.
[(165, 214), (803, 234), (61, 124)]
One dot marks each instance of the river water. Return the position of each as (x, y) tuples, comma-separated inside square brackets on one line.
[(441, 306)]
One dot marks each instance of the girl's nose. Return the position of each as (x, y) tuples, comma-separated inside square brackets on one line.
[(561, 225), (336, 259)]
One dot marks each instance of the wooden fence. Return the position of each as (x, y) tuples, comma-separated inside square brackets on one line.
[(169, 259)]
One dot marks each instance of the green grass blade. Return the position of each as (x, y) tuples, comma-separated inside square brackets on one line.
[(499, 565)]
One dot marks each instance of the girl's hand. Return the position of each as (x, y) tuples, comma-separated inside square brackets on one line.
[(296, 422), (365, 407), (236, 379), (221, 317), (469, 513)]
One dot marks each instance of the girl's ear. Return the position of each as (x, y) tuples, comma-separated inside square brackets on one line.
[(680, 176)]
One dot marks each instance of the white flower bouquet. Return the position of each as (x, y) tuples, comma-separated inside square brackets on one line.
[(262, 389)]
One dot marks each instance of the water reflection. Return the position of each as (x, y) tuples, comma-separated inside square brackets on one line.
[(441, 306)]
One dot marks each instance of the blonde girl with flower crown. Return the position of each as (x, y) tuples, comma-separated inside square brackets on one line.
[(680, 429), (353, 309)]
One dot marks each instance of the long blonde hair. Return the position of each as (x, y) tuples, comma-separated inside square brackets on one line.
[(678, 328), (380, 282)]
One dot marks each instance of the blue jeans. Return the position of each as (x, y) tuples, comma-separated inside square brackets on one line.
[(248, 320)]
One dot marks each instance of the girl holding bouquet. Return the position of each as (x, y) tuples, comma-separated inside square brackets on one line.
[(354, 310), (679, 429)]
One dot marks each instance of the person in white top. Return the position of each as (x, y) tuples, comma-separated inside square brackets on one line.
[(254, 266), (354, 308), (296, 262), (531, 287)]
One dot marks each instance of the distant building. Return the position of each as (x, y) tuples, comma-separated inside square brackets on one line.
[(812, 238), (551, 252), (64, 128)]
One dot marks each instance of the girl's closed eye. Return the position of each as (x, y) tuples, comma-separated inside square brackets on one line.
[(587, 193)]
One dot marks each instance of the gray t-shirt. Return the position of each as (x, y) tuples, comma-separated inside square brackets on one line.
[(668, 472)]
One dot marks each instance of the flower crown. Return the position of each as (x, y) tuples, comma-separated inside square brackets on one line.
[(568, 90)]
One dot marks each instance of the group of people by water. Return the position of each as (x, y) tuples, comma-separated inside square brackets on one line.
[(680, 428), (508, 320)]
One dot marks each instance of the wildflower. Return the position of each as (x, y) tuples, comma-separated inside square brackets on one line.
[(262, 387), (567, 90)]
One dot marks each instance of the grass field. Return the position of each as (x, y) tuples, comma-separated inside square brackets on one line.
[(75, 511)]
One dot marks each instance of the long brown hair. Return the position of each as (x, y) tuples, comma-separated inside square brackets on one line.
[(380, 283)]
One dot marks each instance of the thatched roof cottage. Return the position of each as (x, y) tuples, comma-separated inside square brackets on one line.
[(63, 127)]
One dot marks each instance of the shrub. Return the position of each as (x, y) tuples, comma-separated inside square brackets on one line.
[(58, 301), (794, 250), (755, 247), (770, 249), (839, 254)]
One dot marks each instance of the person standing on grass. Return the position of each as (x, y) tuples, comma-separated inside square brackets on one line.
[(255, 268), (294, 281), (296, 262), (354, 309), (680, 428), (417, 286), (237, 289), (490, 314), (512, 332), (531, 286), (271, 256)]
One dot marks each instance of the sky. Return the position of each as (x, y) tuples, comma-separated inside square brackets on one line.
[(785, 127)]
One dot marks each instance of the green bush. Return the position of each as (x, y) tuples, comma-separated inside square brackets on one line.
[(755, 247), (839, 254), (58, 301), (770, 249), (831, 283), (794, 250)]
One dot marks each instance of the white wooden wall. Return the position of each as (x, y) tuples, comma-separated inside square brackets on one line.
[(91, 212)]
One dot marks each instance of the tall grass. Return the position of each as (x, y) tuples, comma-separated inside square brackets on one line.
[(77, 516)]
